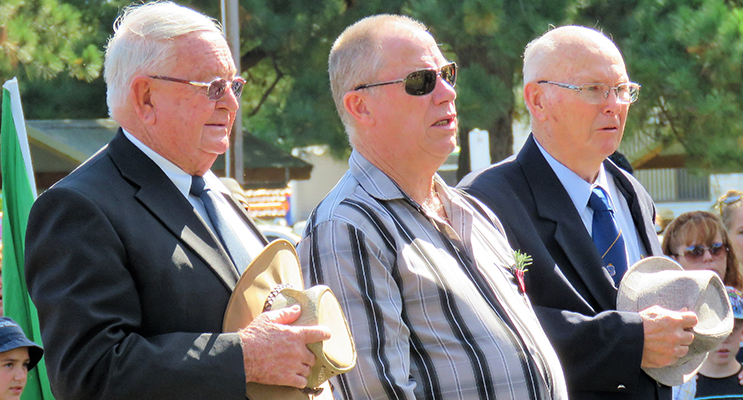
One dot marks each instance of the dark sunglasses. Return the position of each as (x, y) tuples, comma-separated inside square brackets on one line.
[(215, 89), (695, 253), (422, 82)]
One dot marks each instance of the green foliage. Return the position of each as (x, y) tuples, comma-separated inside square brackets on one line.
[(45, 38)]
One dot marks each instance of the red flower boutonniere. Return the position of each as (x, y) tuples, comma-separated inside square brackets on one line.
[(521, 261)]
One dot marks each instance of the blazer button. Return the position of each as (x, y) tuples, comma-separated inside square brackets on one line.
[(621, 387)]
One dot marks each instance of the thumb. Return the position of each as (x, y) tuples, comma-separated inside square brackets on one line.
[(284, 316), (689, 319)]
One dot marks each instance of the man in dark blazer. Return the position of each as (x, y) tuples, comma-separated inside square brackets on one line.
[(125, 266), (541, 196)]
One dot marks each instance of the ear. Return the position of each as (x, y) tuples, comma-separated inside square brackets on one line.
[(142, 100), (535, 100), (356, 105)]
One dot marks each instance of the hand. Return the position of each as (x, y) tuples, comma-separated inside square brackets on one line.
[(275, 353), (667, 335)]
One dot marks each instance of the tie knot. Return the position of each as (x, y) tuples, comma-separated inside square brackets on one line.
[(598, 200), (198, 186)]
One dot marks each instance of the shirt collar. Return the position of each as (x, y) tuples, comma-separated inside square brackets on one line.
[(180, 178), (578, 189), (372, 179)]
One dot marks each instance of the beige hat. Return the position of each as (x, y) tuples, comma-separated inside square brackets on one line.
[(272, 281), (663, 282)]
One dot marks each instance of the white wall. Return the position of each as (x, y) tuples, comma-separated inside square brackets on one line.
[(326, 172)]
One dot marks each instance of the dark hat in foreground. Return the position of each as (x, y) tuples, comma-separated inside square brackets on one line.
[(272, 281), (663, 282), (12, 337)]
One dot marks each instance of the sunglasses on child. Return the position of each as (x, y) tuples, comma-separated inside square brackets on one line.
[(421, 82), (215, 89), (696, 252)]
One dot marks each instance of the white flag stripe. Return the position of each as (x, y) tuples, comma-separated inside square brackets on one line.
[(20, 127)]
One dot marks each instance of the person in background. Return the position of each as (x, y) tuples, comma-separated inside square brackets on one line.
[(698, 241), (719, 376), (18, 355), (425, 275), (731, 213), (132, 258), (582, 219)]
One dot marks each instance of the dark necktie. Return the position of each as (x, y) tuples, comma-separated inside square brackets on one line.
[(229, 238), (607, 236)]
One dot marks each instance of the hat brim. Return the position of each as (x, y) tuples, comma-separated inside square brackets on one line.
[(276, 264), (35, 352), (636, 293)]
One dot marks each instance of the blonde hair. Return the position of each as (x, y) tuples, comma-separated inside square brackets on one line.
[(727, 209), (142, 43), (357, 55)]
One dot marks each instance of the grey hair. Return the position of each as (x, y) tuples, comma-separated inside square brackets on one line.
[(357, 55), (142, 43)]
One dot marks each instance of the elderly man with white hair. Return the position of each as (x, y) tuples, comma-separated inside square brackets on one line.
[(424, 274), (582, 219), (128, 259)]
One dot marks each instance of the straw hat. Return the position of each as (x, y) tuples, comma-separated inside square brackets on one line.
[(272, 281), (661, 281)]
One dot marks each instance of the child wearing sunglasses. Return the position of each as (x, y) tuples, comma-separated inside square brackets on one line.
[(699, 241)]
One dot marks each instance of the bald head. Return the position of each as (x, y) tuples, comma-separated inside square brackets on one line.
[(555, 53)]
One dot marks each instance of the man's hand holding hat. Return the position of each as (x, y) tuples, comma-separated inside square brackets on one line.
[(290, 361), (667, 335)]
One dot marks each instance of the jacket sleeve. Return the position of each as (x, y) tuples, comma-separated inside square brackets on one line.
[(81, 278)]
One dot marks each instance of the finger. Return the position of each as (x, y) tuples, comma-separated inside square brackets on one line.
[(298, 381), (689, 319), (304, 370), (284, 316), (313, 334), (308, 358), (686, 338)]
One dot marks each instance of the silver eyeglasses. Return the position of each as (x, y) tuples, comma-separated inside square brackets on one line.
[(597, 93), (215, 89)]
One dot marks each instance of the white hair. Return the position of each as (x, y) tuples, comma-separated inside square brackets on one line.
[(142, 44), (357, 55)]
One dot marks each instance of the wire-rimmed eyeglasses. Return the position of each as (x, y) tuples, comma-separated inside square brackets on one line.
[(597, 93), (215, 89)]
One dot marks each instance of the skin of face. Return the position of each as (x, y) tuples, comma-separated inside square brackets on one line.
[(13, 373), (578, 134), (736, 231), (707, 262), (182, 124), (721, 361), (401, 128)]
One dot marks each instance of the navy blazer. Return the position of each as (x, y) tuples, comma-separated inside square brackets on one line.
[(130, 285), (574, 297)]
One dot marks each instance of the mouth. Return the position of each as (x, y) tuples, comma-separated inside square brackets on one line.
[(447, 121)]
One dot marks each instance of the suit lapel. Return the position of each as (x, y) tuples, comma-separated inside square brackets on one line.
[(554, 205), (158, 194)]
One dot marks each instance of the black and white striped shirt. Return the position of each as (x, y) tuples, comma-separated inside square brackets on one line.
[(433, 308)]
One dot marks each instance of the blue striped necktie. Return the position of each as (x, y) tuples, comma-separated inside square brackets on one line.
[(607, 236), (229, 238)]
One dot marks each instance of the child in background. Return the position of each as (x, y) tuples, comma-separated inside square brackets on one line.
[(18, 355), (718, 377)]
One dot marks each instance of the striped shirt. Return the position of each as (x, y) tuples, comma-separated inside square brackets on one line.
[(434, 309)]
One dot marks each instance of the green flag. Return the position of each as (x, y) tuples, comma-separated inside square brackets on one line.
[(19, 193)]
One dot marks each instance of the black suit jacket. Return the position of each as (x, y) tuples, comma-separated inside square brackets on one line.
[(574, 297), (130, 286)]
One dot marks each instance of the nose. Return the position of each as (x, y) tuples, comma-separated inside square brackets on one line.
[(229, 101), (444, 92), (612, 103)]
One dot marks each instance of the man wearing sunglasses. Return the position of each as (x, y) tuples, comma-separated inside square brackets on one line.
[(424, 277), (582, 219), (132, 258)]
